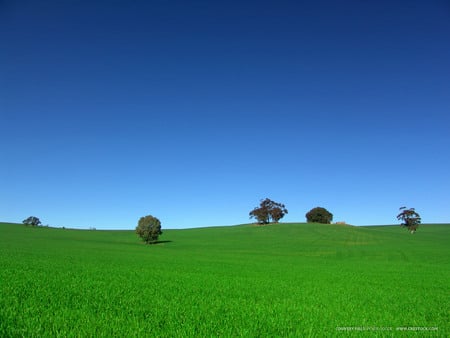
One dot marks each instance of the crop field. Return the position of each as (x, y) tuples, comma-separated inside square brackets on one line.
[(284, 280)]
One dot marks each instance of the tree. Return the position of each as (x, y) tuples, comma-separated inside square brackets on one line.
[(267, 211), (149, 229), (319, 215), (410, 219), (32, 220)]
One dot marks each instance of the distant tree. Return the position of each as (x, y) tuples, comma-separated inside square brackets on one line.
[(32, 220), (268, 211), (319, 215), (261, 215), (149, 229), (410, 219)]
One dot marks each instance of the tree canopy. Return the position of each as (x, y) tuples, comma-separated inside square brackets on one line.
[(268, 211), (149, 229), (32, 220), (410, 219), (319, 215)]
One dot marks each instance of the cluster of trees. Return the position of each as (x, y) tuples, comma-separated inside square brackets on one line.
[(268, 211), (271, 212)]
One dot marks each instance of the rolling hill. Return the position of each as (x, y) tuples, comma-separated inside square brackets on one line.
[(245, 280)]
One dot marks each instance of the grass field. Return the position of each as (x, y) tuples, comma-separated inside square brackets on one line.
[(278, 280)]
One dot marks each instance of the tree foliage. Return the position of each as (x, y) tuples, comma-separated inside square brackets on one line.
[(149, 229), (410, 219), (268, 211), (32, 220), (319, 215)]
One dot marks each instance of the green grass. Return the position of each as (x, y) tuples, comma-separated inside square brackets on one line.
[(272, 281)]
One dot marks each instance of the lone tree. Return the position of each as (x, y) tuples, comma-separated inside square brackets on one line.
[(149, 229), (319, 215), (410, 219), (32, 220), (268, 211)]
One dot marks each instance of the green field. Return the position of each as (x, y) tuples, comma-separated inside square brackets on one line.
[(271, 281)]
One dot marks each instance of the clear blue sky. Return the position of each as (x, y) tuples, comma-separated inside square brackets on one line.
[(193, 111)]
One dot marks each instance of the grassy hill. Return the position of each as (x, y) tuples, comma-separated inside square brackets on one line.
[(277, 280)]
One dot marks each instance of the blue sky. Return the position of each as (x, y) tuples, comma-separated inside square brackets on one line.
[(193, 111)]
